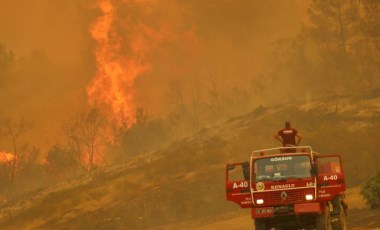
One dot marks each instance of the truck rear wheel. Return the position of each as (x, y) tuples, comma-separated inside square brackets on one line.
[(323, 220), (262, 224), (338, 218)]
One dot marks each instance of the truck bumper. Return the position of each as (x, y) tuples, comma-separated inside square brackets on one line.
[(307, 208), (262, 212)]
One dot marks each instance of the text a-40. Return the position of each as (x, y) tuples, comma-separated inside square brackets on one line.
[(332, 177), (243, 184)]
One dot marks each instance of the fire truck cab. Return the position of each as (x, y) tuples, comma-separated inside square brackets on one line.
[(290, 188)]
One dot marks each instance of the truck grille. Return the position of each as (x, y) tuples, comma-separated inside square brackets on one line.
[(292, 196)]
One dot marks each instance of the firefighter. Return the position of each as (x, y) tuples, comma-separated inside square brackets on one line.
[(288, 137)]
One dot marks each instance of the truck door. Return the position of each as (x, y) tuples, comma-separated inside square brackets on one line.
[(330, 177), (237, 184)]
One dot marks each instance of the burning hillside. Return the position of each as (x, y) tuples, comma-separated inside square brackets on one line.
[(183, 182), (141, 103)]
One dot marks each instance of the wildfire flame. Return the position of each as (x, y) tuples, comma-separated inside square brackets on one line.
[(6, 157), (124, 42), (113, 86)]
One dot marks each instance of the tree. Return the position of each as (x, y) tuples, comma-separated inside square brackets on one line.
[(371, 191), (214, 95), (142, 116), (83, 134), (60, 161), (371, 22), (334, 33), (334, 23), (367, 49), (323, 59), (13, 129), (177, 104), (146, 135), (6, 59), (31, 174)]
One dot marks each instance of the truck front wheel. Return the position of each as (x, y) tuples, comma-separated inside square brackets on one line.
[(338, 218), (262, 224), (323, 220)]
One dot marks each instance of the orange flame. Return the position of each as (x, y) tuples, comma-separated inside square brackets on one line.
[(112, 87), (6, 157), (123, 45)]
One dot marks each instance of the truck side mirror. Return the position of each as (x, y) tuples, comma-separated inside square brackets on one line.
[(245, 167), (314, 170), (230, 167)]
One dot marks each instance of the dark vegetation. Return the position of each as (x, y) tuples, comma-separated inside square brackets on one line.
[(325, 81), (371, 191)]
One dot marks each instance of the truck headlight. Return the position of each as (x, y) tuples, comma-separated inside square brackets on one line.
[(309, 197), (259, 201)]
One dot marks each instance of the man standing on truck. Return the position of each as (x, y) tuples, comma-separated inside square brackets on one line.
[(288, 136)]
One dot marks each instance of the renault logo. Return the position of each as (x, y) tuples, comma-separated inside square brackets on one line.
[(284, 195)]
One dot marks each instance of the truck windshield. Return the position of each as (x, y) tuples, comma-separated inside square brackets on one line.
[(282, 168)]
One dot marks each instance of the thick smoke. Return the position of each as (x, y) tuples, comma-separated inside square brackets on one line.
[(196, 48)]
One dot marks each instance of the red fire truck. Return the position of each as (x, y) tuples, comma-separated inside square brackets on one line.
[(290, 188)]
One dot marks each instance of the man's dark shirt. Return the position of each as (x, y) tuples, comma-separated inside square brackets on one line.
[(288, 136)]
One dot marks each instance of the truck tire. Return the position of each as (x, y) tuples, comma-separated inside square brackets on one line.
[(338, 218), (261, 224), (323, 220)]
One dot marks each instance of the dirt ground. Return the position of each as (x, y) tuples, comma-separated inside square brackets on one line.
[(364, 219), (359, 217)]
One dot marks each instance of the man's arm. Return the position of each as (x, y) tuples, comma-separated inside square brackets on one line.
[(299, 138), (278, 137)]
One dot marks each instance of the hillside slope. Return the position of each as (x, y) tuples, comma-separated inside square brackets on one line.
[(182, 184)]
